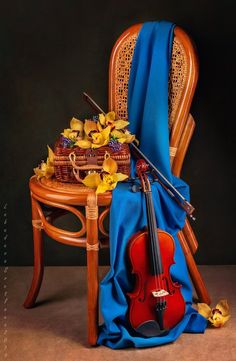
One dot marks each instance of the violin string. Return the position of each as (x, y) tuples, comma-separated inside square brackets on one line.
[(153, 246), (163, 298), (150, 239), (154, 255), (156, 247), (154, 243)]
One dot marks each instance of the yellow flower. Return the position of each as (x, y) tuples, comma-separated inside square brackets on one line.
[(204, 310), (107, 181), (76, 124), (94, 139), (92, 180), (110, 119), (217, 316), (101, 138), (46, 169), (97, 138), (107, 119), (90, 126), (50, 155), (102, 119), (109, 165), (100, 128), (83, 143), (70, 133), (123, 136)]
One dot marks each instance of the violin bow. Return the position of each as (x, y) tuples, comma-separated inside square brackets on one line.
[(159, 177)]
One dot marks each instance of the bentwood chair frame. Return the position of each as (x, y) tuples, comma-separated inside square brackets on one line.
[(63, 198)]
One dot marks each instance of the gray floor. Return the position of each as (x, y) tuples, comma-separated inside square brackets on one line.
[(56, 328)]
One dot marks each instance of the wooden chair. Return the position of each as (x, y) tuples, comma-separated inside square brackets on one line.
[(63, 197)]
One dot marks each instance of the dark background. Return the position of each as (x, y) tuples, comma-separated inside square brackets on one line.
[(51, 51)]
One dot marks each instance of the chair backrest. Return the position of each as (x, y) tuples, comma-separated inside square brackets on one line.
[(182, 78)]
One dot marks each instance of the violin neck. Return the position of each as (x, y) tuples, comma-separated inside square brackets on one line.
[(154, 246)]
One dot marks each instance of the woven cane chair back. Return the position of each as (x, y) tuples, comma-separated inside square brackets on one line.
[(182, 79)]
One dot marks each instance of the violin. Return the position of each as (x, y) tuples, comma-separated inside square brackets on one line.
[(156, 303)]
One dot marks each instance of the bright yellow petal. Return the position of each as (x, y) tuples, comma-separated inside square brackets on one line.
[(129, 137), (48, 163), (83, 143), (69, 133), (73, 135), (220, 323), (109, 180), (49, 172), (102, 187), (223, 307), (95, 146), (120, 124), (109, 165), (50, 154), (44, 170), (105, 132), (100, 128), (112, 186), (117, 134), (217, 320), (119, 177), (47, 168), (76, 124), (43, 167), (100, 139), (97, 138), (39, 173), (66, 132), (102, 119), (121, 140), (90, 126), (110, 117), (123, 137), (92, 180), (204, 310)]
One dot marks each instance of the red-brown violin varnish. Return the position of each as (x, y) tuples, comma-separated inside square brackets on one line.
[(156, 303)]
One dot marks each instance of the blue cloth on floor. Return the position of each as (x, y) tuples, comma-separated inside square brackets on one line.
[(148, 116)]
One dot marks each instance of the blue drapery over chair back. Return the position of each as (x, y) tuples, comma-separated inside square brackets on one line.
[(148, 116)]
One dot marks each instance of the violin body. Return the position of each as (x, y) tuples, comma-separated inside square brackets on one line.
[(156, 303), (144, 298)]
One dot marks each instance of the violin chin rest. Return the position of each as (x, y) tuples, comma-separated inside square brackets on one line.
[(150, 328)]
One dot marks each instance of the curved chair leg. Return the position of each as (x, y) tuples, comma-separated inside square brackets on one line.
[(92, 267), (195, 275), (38, 258)]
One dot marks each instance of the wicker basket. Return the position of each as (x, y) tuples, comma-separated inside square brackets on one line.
[(73, 164)]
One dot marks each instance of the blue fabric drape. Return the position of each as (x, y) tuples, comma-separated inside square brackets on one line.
[(148, 116)]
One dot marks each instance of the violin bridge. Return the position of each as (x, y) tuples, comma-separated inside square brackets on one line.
[(160, 293)]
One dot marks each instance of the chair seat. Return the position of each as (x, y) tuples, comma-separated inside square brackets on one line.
[(66, 193)]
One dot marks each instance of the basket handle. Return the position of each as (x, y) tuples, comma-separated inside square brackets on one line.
[(77, 169)]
